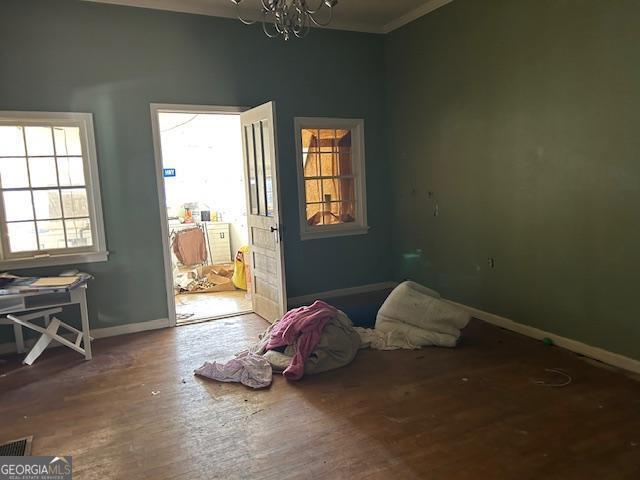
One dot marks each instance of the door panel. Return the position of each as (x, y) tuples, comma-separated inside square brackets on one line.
[(250, 167), (266, 259), (260, 167)]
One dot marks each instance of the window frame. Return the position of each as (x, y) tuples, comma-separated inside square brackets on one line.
[(359, 226), (66, 256)]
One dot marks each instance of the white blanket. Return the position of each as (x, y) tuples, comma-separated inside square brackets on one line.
[(415, 316), (377, 340)]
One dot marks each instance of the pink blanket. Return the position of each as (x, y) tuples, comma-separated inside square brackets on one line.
[(303, 327)]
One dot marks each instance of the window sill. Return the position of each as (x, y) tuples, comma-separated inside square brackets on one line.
[(329, 233), (54, 260)]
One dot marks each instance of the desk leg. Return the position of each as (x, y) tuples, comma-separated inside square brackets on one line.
[(43, 342), (17, 332), (86, 334)]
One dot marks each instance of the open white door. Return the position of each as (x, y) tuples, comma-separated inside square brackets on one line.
[(268, 291)]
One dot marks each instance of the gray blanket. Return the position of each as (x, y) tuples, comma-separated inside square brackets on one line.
[(338, 346)]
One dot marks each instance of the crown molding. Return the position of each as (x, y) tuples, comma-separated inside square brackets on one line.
[(197, 7), (200, 7), (414, 14)]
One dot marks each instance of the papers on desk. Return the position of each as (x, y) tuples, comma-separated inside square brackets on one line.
[(55, 281), (12, 285)]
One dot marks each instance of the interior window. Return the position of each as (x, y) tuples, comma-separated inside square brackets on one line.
[(332, 177), (328, 176)]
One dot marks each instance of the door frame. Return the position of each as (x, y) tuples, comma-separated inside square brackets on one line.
[(156, 109)]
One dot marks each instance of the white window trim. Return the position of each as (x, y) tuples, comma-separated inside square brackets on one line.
[(98, 251), (359, 227)]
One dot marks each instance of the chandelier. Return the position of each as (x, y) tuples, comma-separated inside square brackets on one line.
[(290, 18)]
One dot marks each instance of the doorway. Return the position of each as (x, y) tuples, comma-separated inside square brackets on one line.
[(203, 201)]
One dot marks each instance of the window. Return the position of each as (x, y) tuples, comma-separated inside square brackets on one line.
[(50, 209), (331, 178)]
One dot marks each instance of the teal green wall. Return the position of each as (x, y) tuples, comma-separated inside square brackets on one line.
[(521, 119), (114, 61), (515, 118)]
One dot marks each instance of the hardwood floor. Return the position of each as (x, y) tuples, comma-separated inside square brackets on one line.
[(192, 307), (466, 413)]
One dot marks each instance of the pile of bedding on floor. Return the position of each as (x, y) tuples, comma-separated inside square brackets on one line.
[(415, 316), (318, 338), (337, 346), (307, 340)]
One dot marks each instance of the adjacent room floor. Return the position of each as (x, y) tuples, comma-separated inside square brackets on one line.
[(137, 411), (192, 307)]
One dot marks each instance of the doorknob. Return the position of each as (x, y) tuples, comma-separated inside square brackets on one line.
[(277, 233)]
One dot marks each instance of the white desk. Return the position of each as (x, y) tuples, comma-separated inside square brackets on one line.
[(21, 309)]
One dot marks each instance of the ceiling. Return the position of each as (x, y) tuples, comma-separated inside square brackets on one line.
[(376, 16)]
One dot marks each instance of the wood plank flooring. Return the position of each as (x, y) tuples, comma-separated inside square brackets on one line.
[(191, 307), (466, 413)]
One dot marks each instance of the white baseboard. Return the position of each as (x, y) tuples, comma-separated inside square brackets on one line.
[(342, 292), (130, 328), (604, 356), (10, 347)]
